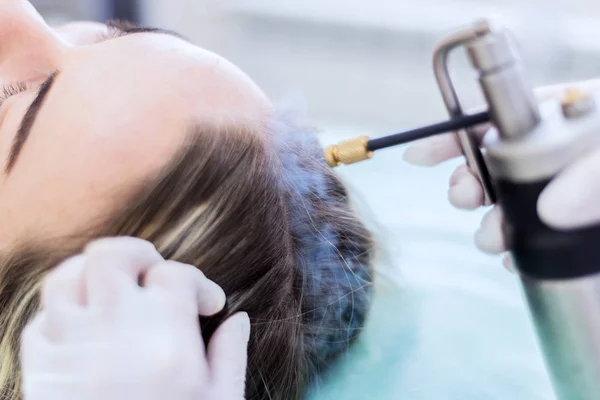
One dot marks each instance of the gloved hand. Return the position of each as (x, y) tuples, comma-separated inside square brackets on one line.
[(571, 200), (102, 336)]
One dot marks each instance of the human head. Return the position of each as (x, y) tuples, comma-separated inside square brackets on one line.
[(113, 98), (246, 197)]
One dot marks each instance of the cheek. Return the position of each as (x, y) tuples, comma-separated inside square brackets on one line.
[(65, 180), (41, 196), (58, 187)]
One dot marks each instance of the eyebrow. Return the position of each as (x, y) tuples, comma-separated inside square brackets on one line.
[(123, 29), (27, 122)]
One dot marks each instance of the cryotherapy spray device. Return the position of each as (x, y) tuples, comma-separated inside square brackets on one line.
[(529, 145)]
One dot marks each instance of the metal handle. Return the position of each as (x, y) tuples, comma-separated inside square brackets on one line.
[(465, 137)]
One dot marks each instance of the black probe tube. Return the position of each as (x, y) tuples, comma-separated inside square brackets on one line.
[(427, 131)]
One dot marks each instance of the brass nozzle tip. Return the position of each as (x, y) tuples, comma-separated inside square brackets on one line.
[(348, 152), (577, 102), (574, 94)]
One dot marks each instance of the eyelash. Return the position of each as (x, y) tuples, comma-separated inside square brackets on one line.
[(13, 89)]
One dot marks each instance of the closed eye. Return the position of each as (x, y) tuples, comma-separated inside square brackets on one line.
[(11, 90)]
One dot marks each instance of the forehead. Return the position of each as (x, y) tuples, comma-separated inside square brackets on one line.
[(141, 93), (148, 72)]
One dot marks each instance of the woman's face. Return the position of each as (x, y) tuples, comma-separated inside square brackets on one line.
[(98, 115)]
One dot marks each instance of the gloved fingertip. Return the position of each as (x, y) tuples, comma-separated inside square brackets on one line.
[(459, 174), (570, 200), (417, 155), (244, 325), (567, 207), (238, 326), (232, 334), (489, 237), (487, 243), (465, 195), (552, 215), (217, 297), (227, 354), (432, 151), (509, 264)]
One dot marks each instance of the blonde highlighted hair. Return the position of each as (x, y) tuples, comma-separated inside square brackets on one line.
[(260, 214)]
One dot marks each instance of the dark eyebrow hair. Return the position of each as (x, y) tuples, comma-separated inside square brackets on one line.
[(121, 28), (27, 122), (127, 28)]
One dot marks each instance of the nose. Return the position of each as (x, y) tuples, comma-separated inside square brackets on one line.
[(29, 48)]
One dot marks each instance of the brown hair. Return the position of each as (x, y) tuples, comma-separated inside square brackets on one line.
[(262, 217)]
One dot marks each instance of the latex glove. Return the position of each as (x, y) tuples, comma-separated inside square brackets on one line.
[(102, 336), (569, 201)]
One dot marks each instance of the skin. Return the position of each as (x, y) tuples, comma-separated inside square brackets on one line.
[(116, 113)]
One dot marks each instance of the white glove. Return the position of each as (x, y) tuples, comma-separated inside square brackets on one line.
[(571, 200), (102, 336)]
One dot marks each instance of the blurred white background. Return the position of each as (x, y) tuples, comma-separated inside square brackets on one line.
[(359, 63), (368, 63)]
